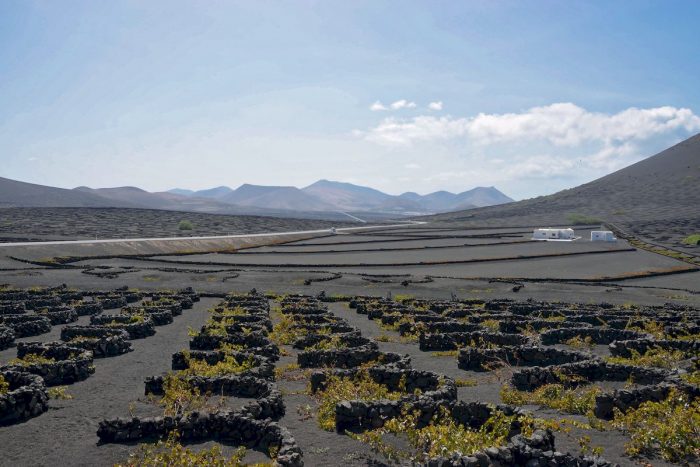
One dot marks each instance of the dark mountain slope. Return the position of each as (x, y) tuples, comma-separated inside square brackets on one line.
[(21, 194), (658, 198), (276, 197), (347, 196)]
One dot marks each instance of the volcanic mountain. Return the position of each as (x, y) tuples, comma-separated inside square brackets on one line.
[(657, 198), (21, 194)]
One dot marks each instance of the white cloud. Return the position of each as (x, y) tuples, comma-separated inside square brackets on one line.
[(396, 105), (437, 105), (377, 107), (402, 104), (412, 166), (536, 151), (564, 124)]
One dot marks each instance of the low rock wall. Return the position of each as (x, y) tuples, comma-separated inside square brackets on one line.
[(455, 340), (231, 427), (624, 348), (26, 398), (344, 358), (626, 399), (484, 359), (7, 337), (597, 335), (589, 371), (26, 325)]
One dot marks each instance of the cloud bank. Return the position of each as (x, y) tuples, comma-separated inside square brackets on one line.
[(561, 141), (563, 124)]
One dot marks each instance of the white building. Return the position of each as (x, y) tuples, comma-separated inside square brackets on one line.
[(553, 234), (602, 236)]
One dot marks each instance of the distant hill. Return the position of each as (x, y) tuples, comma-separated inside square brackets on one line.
[(21, 194), (347, 196), (323, 199), (160, 200), (658, 197), (441, 201), (328, 195), (276, 197)]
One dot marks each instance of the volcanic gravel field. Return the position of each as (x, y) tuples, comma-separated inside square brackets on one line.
[(403, 301)]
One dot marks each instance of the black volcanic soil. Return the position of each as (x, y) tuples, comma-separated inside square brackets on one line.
[(43, 224), (66, 435)]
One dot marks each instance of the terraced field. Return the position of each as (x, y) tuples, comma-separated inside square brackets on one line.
[(426, 344), (302, 380)]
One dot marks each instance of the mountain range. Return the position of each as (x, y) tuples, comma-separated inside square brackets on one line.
[(326, 195), (321, 197)]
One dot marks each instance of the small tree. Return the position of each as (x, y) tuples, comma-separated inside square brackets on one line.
[(185, 225)]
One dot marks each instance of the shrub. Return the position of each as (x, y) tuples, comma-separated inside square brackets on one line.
[(236, 311), (670, 428), (692, 378), (343, 389), (555, 396), (4, 385), (655, 357), (227, 366), (185, 225), (580, 343), (654, 328), (282, 332), (60, 393), (335, 342), (442, 437), (491, 324), (31, 359), (180, 397), (692, 239), (465, 383), (172, 453)]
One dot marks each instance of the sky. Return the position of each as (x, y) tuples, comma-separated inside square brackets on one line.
[(529, 96)]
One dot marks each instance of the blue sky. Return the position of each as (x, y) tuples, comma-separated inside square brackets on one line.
[(529, 96)]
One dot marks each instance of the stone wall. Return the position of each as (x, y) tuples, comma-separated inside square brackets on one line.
[(344, 358), (626, 399), (7, 337), (70, 364), (26, 325), (26, 398), (624, 348), (455, 340), (597, 335), (484, 359), (136, 330), (230, 427), (592, 370)]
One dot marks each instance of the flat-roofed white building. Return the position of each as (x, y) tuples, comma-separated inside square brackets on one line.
[(602, 236), (553, 234)]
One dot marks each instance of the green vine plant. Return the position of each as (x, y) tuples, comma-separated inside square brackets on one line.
[(229, 365), (170, 452), (4, 385), (59, 393), (654, 357), (180, 397), (442, 437), (670, 428), (580, 401), (32, 359), (580, 343), (359, 387)]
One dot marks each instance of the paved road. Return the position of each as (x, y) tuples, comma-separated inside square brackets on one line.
[(268, 234)]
